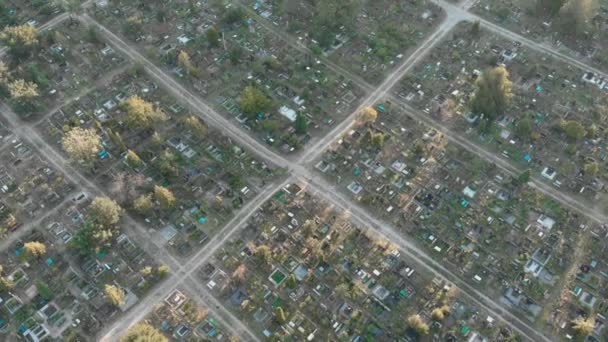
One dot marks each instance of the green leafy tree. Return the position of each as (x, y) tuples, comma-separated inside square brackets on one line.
[(263, 254), (573, 129), (523, 128), (280, 315), (84, 242), (196, 126), (133, 159), (592, 169), (301, 124), (253, 101), (44, 291), (575, 16), (213, 37), (494, 93)]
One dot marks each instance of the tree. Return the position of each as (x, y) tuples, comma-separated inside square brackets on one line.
[(240, 273), (253, 101), (114, 295), (183, 61), (196, 126), (84, 242), (301, 124), (439, 314), (494, 93), (213, 37), (142, 114), (235, 54), (23, 92), (234, 15), (146, 271), (582, 326), (522, 179), (280, 315), (82, 144), (20, 40), (164, 196), (105, 211), (369, 115), (143, 332), (133, 159), (523, 128), (44, 291), (377, 139), (416, 323), (162, 271), (291, 282), (6, 284), (331, 15), (5, 74), (263, 254), (475, 28), (591, 169), (35, 249), (143, 203), (573, 129), (575, 16)]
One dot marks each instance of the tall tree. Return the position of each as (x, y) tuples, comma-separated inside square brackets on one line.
[(23, 92), (82, 144), (301, 124), (253, 101), (142, 114), (494, 93), (213, 37), (164, 196), (35, 248), (575, 16), (114, 295), (105, 211), (143, 332), (416, 323), (21, 40)]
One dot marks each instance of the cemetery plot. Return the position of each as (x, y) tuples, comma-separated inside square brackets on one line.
[(368, 37), (577, 29), (29, 186), (584, 291), (178, 317), (552, 120), (46, 68), (60, 282), (158, 160), (240, 68), (302, 270), (496, 232)]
